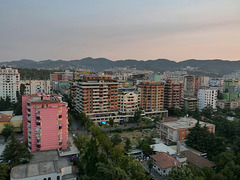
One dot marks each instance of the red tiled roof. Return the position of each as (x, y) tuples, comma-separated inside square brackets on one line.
[(4, 118), (197, 160), (164, 160)]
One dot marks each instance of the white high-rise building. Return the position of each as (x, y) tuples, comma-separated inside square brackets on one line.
[(128, 102), (9, 83), (207, 97), (35, 86)]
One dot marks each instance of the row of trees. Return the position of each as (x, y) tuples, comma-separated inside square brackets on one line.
[(228, 167), (6, 104), (222, 147), (42, 74), (15, 153), (102, 158)]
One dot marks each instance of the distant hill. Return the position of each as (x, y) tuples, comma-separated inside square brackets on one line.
[(205, 67)]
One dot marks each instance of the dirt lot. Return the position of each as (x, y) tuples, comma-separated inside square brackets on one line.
[(133, 136)]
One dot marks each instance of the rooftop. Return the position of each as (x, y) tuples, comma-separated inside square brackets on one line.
[(4, 118), (16, 118), (162, 148), (7, 112), (45, 162), (197, 160), (164, 160), (185, 122)]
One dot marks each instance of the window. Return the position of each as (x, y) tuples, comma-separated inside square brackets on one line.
[(49, 178), (58, 177)]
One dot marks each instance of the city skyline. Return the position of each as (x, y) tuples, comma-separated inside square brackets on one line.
[(120, 30)]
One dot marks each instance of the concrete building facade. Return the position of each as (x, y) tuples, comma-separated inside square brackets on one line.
[(191, 85), (45, 116), (9, 83), (97, 97), (173, 94), (173, 130), (127, 102), (190, 103), (152, 95), (207, 98), (36, 86), (61, 76)]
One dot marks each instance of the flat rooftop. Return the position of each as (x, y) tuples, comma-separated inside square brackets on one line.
[(185, 122), (45, 162)]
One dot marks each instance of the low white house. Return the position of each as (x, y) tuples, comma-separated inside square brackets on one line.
[(163, 163)]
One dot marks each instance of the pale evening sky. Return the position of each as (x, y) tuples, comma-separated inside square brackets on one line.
[(119, 29)]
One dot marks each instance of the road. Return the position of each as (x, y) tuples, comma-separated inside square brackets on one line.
[(78, 129)]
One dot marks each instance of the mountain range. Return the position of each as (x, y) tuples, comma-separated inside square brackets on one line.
[(205, 67)]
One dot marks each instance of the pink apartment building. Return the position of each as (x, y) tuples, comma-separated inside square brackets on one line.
[(45, 122)]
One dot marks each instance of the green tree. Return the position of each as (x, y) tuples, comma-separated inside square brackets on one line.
[(111, 122), (109, 172), (80, 142), (150, 164), (70, 120), (197, 138), (223, 159), (117, 154), (4, 171), (137, 116), (16, 153), (180, 173), (116, 139), (7, 131), (91, 156), (136, 171), (147, 120), (127, 144)]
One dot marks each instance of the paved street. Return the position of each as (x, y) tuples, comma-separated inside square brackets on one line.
[(78, 129), (128, 125)]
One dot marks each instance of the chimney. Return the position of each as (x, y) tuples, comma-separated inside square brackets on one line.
[(178, 148)]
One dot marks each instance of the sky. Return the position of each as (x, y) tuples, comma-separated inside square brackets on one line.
[(119, 29)]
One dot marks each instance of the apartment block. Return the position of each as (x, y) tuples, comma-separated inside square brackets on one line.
[(45, 122), (152, 95), (37, 86), (191, 85), (207, 98), (9, 83), (190, 103), (97, 97), (59, 76), (173, 130), (173, 94), (128, 101)]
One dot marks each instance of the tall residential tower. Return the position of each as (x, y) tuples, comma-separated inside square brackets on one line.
[(9, 83), (45, 122)]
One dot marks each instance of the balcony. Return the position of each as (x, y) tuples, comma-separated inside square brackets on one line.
[(38, 130), (38, 123), (38, 142)]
